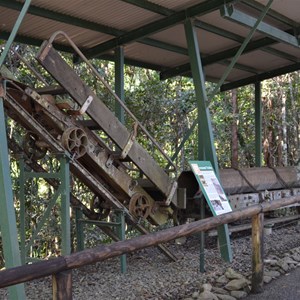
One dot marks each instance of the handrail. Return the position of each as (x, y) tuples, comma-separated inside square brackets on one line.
[(37, 270), (96, 73)]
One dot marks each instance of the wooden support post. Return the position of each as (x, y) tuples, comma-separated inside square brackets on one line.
[(257, 253), (62, 285)]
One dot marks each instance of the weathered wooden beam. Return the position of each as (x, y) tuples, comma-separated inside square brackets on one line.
[(45, 268), (62, 285), (51, 60), (257, 253)]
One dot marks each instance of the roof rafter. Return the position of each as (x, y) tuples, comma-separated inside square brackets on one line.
[(183, 69), (271, 13), (45, 13), (37, 42), (260, 77), (262, 44), (153, 27), (153, 7), (232, 14)]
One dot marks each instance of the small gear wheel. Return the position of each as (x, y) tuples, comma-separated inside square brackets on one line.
[(140, 206), (75, 140)]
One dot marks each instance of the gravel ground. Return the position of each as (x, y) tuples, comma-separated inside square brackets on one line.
[(151, 276)]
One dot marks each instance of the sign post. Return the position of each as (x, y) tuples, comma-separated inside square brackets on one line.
[(215, 198)]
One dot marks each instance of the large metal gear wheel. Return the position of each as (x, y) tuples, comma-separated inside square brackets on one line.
[(33, 146), (75, 140), (140, 206)]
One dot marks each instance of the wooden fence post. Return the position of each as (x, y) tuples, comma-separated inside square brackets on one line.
[(257, 253), (62, 285)]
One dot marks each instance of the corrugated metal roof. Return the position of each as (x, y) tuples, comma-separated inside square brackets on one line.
[(113, 13), (94, 22)]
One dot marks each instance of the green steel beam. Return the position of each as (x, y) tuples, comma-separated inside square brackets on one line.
[(213, 29), (260, 77), (44, 218), (119, 83), (238, 38), (206, 148), (132, 62), (8, 223), (271, 13), (243, 46), (153, 7), (240, 67), (14, 31), (37, 42), (153, 27), (232, 14), (4, 35), (258, 125), (63, 18), (217, 57), (46, 13)]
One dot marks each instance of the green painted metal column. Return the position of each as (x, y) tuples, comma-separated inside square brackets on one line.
[(206, 149), (22, 181), (8, 222), (258, 125), (79, 229), (121, 233), (119, 82), (14, 31), (65, 205)]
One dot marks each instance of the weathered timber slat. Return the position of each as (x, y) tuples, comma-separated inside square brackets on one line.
[(26, 273), (98, 111)]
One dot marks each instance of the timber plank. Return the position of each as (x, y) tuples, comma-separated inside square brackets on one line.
[(50, 59)]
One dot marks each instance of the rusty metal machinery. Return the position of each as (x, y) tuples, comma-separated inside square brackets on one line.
[(75, 140), (243, 187)]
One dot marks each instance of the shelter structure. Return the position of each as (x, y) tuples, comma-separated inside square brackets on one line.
[(230, 42)]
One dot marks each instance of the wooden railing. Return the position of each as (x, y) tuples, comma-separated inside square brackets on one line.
[(60, 268)]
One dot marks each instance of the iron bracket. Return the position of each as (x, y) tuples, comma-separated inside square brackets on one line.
[(171, 193), (130, 141)]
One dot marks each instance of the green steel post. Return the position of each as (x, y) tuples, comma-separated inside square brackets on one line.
[(22, 181), (258, 125), (14, 31), (8, 222), (202, 236), (79, 229), (227, 71), (121, 234), (65, 205), (119, 82), (44, 218), (205, 135)]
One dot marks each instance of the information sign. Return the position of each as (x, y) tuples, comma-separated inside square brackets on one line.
[(211, 187)]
